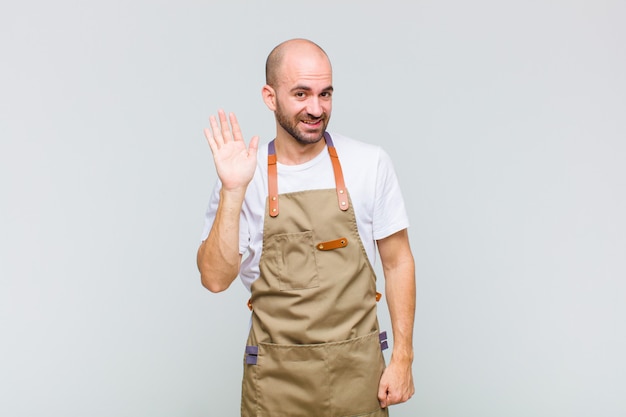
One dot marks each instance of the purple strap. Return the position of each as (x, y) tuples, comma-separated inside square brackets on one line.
[(329, 141), (252, 354), (382, 338)]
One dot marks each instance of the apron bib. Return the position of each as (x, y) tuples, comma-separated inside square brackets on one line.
[(314, 347)]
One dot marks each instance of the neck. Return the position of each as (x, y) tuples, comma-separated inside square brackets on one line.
[(291, 152)]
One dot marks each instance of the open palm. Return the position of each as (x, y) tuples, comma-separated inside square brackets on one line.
[(235, 163)]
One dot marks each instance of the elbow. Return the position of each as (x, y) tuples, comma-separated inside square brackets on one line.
[(217, 281), (216, 275), (212, 285), (214, 288)]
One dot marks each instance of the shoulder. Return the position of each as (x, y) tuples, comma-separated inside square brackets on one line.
[(360, 155), (262, 153), (353, 145)]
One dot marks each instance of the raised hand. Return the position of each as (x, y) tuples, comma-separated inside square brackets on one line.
[(235, 163)]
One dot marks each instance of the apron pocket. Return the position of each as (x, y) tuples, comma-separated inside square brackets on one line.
[(329, 379), (355, 368), (291, 258), (292, 380)]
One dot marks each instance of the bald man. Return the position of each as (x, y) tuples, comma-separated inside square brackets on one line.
[(300, 221)]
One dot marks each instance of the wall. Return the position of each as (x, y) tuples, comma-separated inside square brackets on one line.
[(506, 124)]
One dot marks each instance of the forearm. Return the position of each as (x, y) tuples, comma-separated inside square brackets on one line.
[(400, 292), (218, 256), (396, 383)]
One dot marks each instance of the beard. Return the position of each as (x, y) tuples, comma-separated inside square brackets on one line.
[(293, 126)]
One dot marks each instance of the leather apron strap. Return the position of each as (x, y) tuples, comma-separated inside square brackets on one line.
[(272, 177)]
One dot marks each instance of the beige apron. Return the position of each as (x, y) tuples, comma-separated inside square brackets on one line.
[(314, 347)]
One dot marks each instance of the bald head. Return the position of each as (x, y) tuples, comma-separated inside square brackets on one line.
[(276, 58)]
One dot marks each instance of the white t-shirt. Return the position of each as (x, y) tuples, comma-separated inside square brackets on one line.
[(369, 177)]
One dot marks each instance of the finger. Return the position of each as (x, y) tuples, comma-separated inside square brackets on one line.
[(393, 398), (383, 403), (226, 133), (210, 139), (254, 145), (216, 134), (397, 397), (237, 135), (382, 395)]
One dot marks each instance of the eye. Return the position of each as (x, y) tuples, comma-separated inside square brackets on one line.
[(326, 94), (300, 94)]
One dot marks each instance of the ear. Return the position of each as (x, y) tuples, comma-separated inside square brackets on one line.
[(269, 97)]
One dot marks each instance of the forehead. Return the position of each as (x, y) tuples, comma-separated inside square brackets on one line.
[(309, 69)]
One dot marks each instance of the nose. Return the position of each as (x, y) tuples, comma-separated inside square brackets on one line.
[(314, 107)]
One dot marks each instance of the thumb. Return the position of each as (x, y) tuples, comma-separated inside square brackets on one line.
[(254, 145), (382, 395)]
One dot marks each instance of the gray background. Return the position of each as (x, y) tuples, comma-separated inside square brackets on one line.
[(506, 124)]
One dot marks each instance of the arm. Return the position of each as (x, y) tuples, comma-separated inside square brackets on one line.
[(218, 256), (396, 384)]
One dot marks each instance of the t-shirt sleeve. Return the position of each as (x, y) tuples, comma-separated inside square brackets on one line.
[(389, 210), (209, 215)]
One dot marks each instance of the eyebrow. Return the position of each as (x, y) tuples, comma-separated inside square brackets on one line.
[(307, 88)]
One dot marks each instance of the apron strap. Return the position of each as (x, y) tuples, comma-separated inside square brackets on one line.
[(342, 195), (252, 353), (272, 176), (382, 339), (272, 179)]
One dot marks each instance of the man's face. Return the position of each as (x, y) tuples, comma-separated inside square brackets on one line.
[(304, 98)]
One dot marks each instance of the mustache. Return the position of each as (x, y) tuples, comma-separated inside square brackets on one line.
[(311, 118)]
